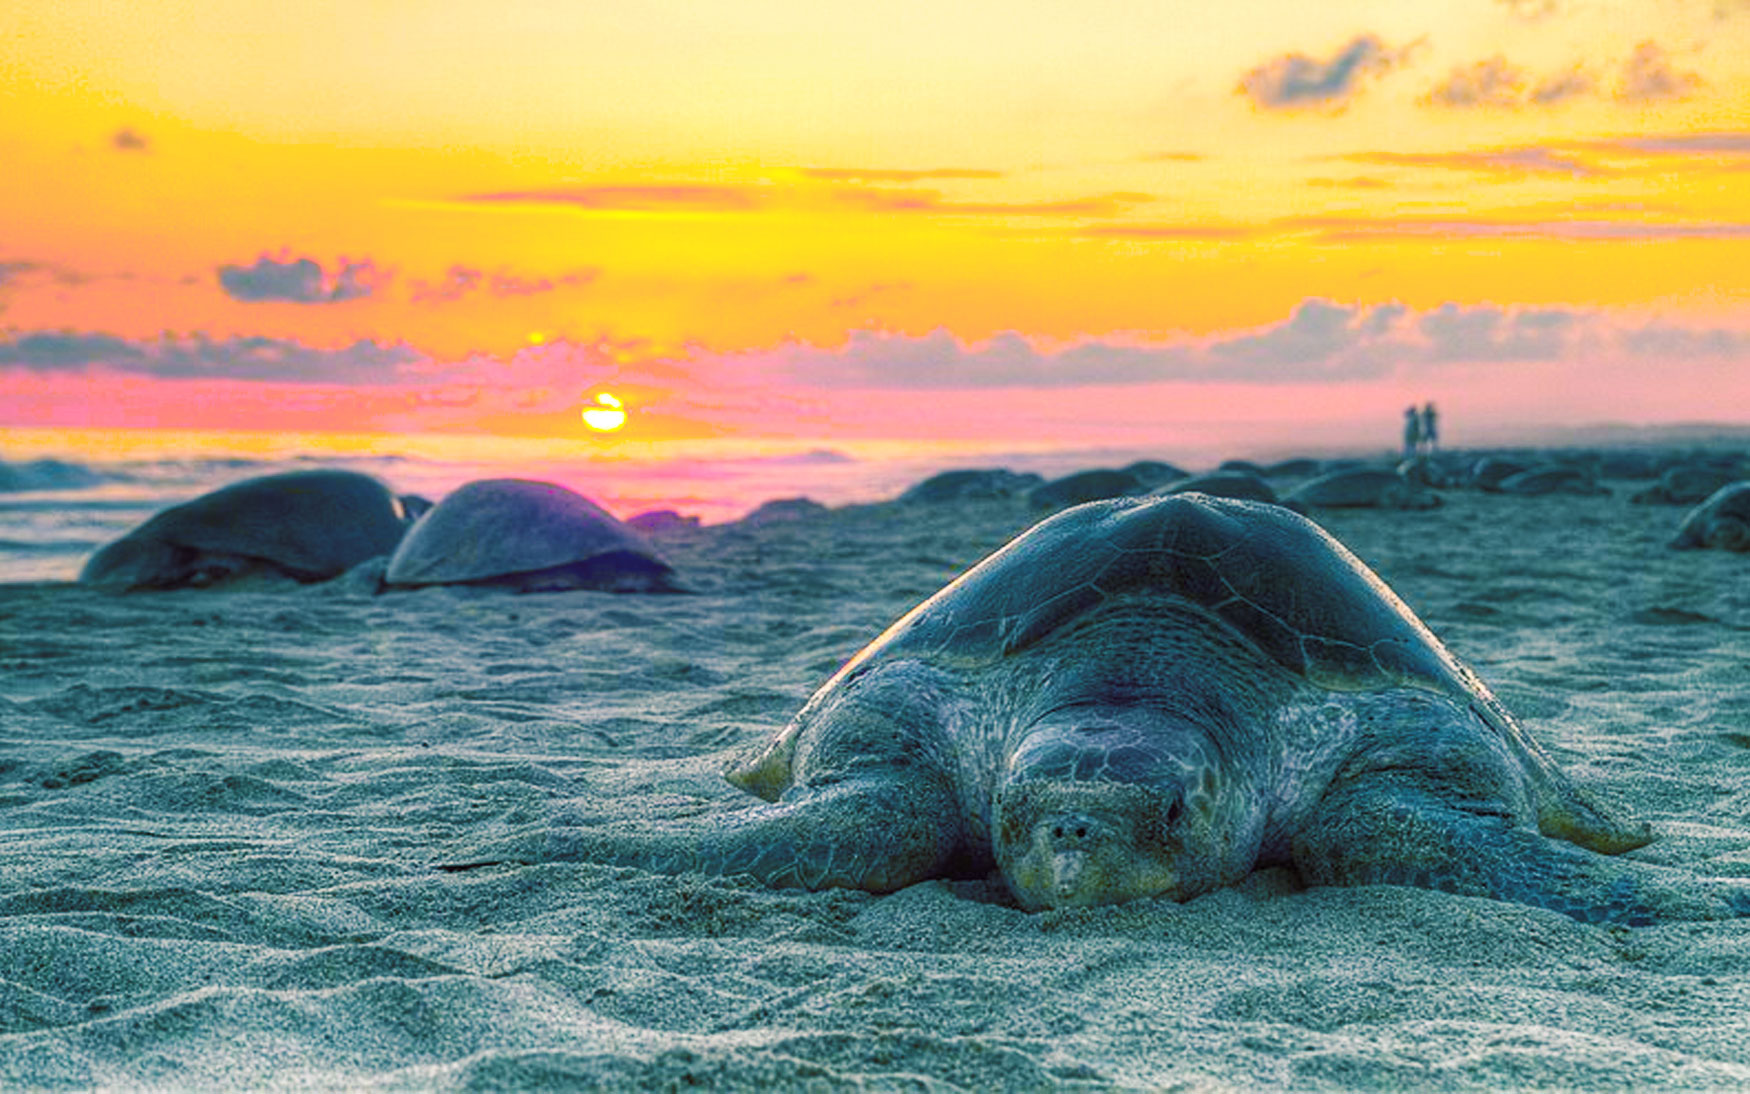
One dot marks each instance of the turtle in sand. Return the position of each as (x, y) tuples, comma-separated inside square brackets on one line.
[(1686, 485), (305, 525), (1363, 488), (1551, 479), (1084, 486), (1154, 697), (992, 482), (1222, 484), (1491, 471), (1722, 521), (527, 536)]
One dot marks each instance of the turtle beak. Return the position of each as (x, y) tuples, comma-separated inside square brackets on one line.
[(1070, 841), (1067, 871)]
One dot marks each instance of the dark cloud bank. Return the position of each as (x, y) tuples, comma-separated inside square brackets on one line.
[(298, 281), (198, 357)]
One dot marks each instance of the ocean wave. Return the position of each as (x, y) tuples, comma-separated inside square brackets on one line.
[(17, 478), (50, 547)]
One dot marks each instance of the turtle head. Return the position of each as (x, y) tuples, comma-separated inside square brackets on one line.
[(1105, 805)]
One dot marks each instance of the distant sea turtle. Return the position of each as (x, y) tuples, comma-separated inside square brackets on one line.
[(529, 536), (658, 521), (1685, 485), (1154, 697), (1635, 464), (305, 525), (1722, 521), (1240, 485), (994, 482), (1153, 472), (1489, 472), (1084, 486), (1438, 470), (1298, 467), (1363, 488), (1551, 479), (783, 511)]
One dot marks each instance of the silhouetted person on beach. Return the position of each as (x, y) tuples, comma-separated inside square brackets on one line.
[(1412, 432), (1430, 432)]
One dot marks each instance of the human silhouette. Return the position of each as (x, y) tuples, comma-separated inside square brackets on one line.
[(1430, 431), (1412, 432)]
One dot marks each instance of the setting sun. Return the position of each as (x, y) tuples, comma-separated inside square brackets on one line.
[(608, 415)]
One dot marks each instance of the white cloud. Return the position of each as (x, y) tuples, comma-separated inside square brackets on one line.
[(1320, 341)]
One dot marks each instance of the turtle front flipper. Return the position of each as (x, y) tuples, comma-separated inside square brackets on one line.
[(1394, 829), (874, 833)]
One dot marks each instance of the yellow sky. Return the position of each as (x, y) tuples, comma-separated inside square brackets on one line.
[(682, 180)]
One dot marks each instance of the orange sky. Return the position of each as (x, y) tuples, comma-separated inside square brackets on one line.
[(775, 219)]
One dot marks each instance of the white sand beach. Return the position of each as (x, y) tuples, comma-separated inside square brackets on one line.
[(223, 814)]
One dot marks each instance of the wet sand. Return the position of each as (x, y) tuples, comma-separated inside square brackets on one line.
[(222, 814)]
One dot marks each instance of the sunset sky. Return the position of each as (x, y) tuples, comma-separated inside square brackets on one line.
[(787, 220)]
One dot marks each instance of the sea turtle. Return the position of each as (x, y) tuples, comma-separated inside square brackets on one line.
[(1297, 467), (1154, 472), (1154, 697), (1628, 464), (660, 521), (1221, 484), (958, 485), (1551, 479), (1363, 488), (528, 536), (1083, 486), (783, 511), (1684, 485), (305, 525), (1489, 472), (1722, 521)]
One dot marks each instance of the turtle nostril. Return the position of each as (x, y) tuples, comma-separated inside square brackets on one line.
[(1081, 833), (1057, 833)]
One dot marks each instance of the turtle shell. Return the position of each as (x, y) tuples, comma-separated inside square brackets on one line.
[(1354, 487), (312, 525), (1222, 484), (1273, 576), (1731, 500), (496, 529)]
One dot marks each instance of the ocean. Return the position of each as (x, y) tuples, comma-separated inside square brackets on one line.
[(64, 493)]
